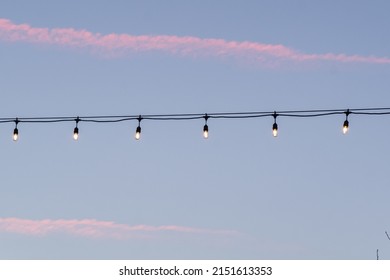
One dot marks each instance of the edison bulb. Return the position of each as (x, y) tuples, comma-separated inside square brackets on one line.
[(206, 131), (15, 136), (76, 133), (275, 130), (138, 133), (345, 127)]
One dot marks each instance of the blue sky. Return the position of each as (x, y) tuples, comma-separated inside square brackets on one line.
[(310, 193)]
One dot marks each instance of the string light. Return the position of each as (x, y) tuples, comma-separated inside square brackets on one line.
[(275, 126), (138, 130), (76, 130), (346, 122), (206, 117), (206, 127), (15, 136)]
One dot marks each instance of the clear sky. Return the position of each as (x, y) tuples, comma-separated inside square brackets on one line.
[(310, 193)]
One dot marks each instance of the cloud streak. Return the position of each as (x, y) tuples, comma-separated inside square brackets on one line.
[(122, 44), (91, 228)]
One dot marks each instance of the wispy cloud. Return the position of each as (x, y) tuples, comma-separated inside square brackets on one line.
[(96, 229), (120, 44)]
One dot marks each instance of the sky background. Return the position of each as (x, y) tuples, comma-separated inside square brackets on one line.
[(310, 193)]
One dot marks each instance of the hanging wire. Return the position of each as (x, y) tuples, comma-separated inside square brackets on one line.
[(186, 116), (195, 116)]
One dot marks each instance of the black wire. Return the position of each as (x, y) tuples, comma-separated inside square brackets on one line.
[(194, 116), (212, 116), (310, 115), (107, 121), (43, 121), (172, 118), (370, 113)]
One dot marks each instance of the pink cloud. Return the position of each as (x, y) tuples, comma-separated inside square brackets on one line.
[(95, 229), (119, 44)]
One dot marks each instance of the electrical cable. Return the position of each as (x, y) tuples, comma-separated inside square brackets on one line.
[(195, 116)]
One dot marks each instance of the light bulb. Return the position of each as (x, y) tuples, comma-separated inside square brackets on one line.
[(16, 135), (206, 131), (138, 133), (345, 127), (275, 130), (76, 133)]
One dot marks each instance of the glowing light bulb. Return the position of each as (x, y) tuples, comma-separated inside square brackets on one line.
[(275, 130), (15, 136), (206, 131), (138, 133), (345, 127), (76, 133)]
